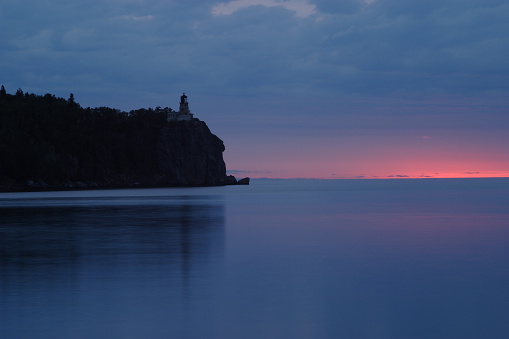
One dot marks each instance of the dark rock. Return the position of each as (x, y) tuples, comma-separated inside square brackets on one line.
[(244, 181), (231, 180), (185, 153), (190, 155)]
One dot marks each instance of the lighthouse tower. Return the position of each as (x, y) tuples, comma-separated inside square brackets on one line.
[(184, 105), (183, 113)]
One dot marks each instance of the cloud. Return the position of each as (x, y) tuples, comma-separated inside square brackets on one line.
[(301, 8), (138, 50), (253, 173), (137, 18)]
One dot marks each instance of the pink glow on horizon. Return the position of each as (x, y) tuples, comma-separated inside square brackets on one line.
[(443, 175), (350, 147), (374, 165)]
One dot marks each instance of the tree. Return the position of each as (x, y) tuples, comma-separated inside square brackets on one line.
[(72, 103), (3, 93)]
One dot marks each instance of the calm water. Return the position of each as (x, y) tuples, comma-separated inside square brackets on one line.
[(277, 259)]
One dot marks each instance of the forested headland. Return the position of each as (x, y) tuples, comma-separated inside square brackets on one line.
[(47, 142)]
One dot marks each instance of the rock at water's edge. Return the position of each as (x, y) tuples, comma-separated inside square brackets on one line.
[(244, 181), (231, 180)]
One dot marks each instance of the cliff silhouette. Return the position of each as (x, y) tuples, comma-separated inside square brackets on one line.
[(53, 143)]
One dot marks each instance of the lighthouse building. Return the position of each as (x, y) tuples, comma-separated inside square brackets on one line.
[(183, 113)]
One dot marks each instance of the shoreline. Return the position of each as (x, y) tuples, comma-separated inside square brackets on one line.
[(82, 186)]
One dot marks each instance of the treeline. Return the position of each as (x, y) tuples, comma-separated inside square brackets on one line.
[(46, 140)]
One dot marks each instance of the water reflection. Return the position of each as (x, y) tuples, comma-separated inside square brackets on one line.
[(80, 254), (298, 259)]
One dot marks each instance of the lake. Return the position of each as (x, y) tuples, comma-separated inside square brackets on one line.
[(402, 258)]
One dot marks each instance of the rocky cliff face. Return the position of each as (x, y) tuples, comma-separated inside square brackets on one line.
[(180, 154), (188, 154), (183, 153)]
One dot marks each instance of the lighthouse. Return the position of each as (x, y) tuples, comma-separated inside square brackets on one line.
[(183, 113), (184, 105)]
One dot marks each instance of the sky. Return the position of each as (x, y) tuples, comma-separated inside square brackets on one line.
[(296, 88)]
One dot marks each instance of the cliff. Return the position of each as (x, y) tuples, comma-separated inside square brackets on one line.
[(53, 143), (189, 154)]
